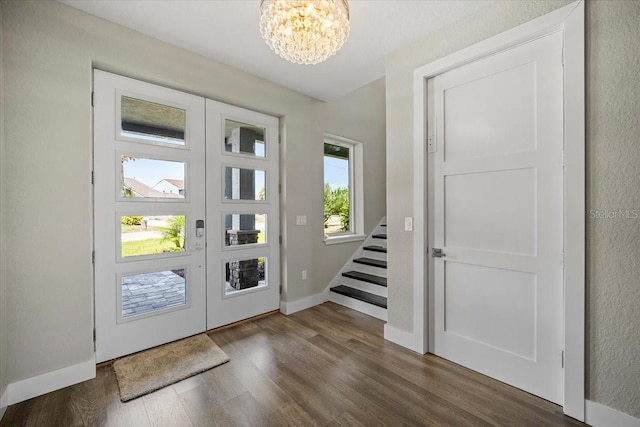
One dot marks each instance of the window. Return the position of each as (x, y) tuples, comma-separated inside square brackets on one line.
[(343, 217)]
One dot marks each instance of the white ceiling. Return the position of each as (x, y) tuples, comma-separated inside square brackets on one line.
[(227, 31)]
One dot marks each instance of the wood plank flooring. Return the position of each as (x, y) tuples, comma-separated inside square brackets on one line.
[(326, 366)]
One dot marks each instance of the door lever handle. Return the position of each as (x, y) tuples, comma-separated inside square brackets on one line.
[(437, 253)]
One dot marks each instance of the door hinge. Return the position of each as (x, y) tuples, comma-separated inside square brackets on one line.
[(563, 158), (93, 257), (562, 358), (94, 334), (279, 188), (562, 259), (280, 289), (93, 178), (93, 98), (280, 238), (431, 139)]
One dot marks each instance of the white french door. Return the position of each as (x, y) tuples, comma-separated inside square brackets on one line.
[(149, 145), (243, 249), (186, 214), (497, 197)]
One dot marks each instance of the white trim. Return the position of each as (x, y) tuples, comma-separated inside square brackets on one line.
[(400, 337), (4, 402), (356, 187), (598, 415), (50, 381), (574, 214), (288, 308), (343, 238), (569, 19)]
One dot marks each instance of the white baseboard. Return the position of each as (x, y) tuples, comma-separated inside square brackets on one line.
[(399, 336), (4, 402), (598, 415), (287, 308), (50, 381)]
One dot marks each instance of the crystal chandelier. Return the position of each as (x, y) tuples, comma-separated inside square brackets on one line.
[(304, 31)]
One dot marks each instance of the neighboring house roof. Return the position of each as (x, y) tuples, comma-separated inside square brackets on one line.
[(175, 182), (140, 189)]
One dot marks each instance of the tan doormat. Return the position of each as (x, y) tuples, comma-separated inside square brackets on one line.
[(150, 370)]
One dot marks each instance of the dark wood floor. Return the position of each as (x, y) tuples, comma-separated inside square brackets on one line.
[(328, 365)]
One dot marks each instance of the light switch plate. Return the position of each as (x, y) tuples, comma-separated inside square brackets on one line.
[(301, 220)]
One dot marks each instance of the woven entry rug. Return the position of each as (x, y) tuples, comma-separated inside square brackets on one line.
[(153, 369)]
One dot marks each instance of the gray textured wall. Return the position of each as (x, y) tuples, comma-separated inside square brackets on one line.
[(613, 184), (613, 151)]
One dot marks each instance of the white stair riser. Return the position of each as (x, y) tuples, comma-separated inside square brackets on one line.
[(363, 307), (379, 242), (365, 286), (371, 254), (370, 269)]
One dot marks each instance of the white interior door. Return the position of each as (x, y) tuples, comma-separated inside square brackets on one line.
[(149, 145), (497, 209), (243, 250)]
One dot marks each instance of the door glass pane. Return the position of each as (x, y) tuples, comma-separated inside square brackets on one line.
[(244, 138), (152, 122), (245, 229), (244, 184), (245, 274), (148, 292), (152, 235), (144, 178)]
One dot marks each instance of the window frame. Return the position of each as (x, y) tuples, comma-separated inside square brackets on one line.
[(356, 190)]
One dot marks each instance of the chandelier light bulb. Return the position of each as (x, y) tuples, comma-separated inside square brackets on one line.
[(304, 31)]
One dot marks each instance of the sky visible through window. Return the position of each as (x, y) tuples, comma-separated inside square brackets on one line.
[(336, 172), (151, 171), (148, 172)]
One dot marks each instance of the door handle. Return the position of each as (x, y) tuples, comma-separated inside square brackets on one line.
[(199, 228), (437, 253)]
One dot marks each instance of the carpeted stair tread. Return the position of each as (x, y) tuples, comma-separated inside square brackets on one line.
[(375, 248), (371, 261), (380, 236), (361, 295), (366, 277)]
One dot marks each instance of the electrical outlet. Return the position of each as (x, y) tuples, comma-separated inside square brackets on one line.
[(408, 223), (304, 274), (301, 220)]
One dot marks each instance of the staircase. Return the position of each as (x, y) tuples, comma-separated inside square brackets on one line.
[(362, 283)]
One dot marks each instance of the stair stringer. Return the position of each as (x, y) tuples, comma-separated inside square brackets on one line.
[(378, 312)]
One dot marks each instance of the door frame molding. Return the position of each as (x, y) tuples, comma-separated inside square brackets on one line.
[(570, 20)]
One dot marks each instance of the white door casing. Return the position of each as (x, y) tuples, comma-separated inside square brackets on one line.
[(253, 172), (498, 216), (118, 330)]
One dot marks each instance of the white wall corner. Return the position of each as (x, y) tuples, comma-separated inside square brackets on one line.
[(55, 380), (288, 308), (4, 402), (401, 337), (598, 415)]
